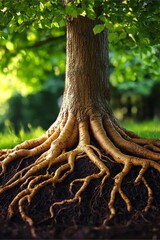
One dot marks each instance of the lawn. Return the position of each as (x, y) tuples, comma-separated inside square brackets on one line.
[(8, 139), (147, 129)]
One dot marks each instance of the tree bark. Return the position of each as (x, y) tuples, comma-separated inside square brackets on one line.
[(86, 84)]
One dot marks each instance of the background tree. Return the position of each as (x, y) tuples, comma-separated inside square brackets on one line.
[(134, 78), (42, 57), (86, 125)]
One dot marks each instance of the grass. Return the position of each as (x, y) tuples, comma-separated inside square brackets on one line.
[(8, 139), (147, 129)]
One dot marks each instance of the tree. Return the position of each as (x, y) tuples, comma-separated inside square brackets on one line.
[(85, 124)]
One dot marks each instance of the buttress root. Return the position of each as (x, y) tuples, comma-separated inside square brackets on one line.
[(69, 141)]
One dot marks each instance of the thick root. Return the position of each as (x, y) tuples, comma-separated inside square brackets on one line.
[(65, 143)]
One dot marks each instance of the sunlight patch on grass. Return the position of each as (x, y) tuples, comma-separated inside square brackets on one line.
[(146, 129), (8, 138)]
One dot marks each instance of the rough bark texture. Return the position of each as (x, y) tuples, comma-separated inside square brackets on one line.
[(87, 85)]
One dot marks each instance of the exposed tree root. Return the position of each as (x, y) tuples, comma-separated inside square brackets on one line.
[(65, 143)]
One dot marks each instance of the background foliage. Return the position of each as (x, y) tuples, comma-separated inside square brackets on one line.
[(32, 52)]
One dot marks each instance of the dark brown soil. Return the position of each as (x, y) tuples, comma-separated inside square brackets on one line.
[(15, 230), (86, 220)]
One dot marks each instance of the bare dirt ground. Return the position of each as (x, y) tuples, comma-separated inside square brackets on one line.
[(14, 230)]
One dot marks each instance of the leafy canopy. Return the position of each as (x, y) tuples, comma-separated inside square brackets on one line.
[(136, 20), (135, 72), (27, 24)]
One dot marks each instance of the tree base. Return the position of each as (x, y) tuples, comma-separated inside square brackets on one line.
[(83, 166)]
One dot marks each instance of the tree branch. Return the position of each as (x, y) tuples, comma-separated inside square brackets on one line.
[(44, 42), (34, 45)]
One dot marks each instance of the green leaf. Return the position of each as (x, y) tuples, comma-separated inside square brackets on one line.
[(62, 23), (55, 24), (145, 41), (20, 20), (98, 28), (122, 35), (113, 37), (71, 11), (90, 12), (108, 25), (41, 6)]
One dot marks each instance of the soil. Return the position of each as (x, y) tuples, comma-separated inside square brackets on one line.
[(85, 221), (137, 231)]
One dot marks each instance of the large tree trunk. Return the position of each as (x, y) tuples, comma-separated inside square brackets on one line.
[(86, 84), (84, 127)]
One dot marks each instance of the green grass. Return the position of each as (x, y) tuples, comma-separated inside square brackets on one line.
[(8, 139), (147, 129)]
